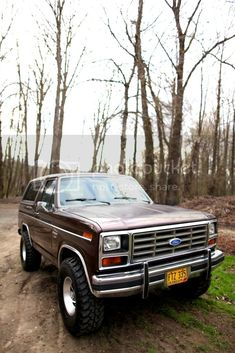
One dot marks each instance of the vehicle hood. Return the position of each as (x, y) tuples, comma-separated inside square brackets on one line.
[(133, 216)]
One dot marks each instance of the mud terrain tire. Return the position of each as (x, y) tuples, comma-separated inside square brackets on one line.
[(81, 311), (30, 257)]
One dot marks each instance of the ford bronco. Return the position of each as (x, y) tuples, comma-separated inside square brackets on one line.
[(108, 239)]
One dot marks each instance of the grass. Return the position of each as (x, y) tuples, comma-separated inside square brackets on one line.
[(188, 320), (221, 294), (223, 283), (220, 298)]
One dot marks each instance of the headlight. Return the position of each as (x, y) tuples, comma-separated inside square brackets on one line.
[(211, 228), (112, 242)]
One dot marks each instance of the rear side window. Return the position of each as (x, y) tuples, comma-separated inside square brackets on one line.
[(32, 191)]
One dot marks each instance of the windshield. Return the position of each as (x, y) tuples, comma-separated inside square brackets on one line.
[(106, 190)]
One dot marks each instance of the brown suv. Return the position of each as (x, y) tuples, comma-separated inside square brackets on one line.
[(108, 238)]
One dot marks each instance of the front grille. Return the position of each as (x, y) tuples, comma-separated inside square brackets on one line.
[(147, 245)]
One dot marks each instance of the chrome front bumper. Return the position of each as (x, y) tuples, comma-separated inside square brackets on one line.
[(152, 274)]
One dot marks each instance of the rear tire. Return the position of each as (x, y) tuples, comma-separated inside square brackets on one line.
[(30, 257), (81, 311), (193, 288)]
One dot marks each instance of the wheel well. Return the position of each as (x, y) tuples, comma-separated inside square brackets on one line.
[(65, 253)]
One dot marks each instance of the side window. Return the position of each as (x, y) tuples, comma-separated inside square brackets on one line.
[(32, 190), (48, 195)]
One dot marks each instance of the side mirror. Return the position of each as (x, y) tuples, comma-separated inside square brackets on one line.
[(41, 206)]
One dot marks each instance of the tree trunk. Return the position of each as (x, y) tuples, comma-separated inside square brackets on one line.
[(224, 180), (122, 162), (160, 128), (147, 126), (1, 160), (42, 88), (215, 157), (191, 179), (57, 127), (174, 158), (134, 169), (232, 165)]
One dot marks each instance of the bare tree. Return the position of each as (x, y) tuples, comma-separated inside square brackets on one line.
[(3, 53), (183, 45), (147, 125), (232, 163), (42, 87), (23, 117), (61, 35), (162, 140), (190, 188), (1, 158), (216, 142), (101, 125), (134, 167), (126, 83)]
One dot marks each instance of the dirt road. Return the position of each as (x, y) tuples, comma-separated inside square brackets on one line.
[(30, 320)]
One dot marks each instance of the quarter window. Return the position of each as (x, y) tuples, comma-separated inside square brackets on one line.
[(32, 191)]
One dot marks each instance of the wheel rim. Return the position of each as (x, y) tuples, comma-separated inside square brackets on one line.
[(69, 296), (23, 251)]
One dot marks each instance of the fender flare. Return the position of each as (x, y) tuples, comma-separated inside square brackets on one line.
[(76, 252)]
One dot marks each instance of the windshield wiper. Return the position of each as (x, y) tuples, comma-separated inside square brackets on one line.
[(80, 199), (125, 198), (85, 199), (129, 198)]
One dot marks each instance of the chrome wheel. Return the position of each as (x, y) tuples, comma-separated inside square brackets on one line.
[(69, 296), (23, 251)]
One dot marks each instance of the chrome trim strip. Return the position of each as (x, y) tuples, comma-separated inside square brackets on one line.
[(150, 229), (125, 278), (117, 292), (56, 227), (82, 261)]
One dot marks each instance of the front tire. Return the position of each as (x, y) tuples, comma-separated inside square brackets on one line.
[(81, 311), (30, 257), (193, 288)]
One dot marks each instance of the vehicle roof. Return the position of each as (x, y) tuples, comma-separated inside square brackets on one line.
[(81, 174)]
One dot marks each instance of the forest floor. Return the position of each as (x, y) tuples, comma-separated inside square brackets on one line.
[(30, 321)]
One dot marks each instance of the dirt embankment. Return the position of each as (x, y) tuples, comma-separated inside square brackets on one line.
[(30, 321), (224, 209)]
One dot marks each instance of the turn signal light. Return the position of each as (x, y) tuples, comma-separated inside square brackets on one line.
[(112, 261), (212, 241), (87, 235)]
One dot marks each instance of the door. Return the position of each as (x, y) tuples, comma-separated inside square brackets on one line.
[(43, 236)]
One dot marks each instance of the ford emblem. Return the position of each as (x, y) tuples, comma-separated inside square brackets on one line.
[(175, 241)]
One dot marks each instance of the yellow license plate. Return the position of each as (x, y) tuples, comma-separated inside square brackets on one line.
[(177, 276)]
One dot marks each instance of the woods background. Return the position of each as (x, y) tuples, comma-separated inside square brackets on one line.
[(163, 70)]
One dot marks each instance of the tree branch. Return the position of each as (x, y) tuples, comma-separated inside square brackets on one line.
[(205, 55), (166, 52), (192, 16)]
